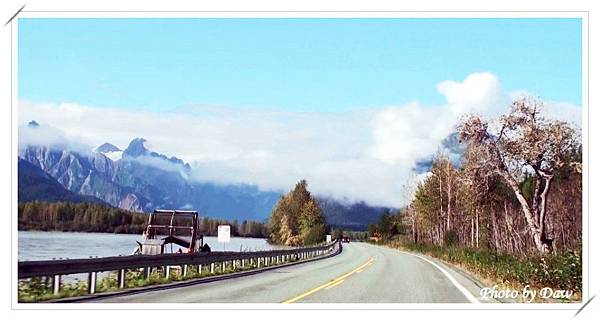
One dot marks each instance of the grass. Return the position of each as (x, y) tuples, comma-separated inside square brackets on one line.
[(560, 271)]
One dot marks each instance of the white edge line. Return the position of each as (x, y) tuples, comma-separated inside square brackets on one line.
[(461, 288)]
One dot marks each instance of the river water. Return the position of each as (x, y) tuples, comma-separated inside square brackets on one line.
[(38, 245)]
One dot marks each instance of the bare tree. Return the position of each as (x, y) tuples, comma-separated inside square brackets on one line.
[(525, 142), (407, 195)]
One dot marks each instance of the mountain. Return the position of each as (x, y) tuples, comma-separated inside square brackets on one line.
[(351, 216), (107, 148), (84, 173), (142, 180), (35, 184), (137, 149), (451, 146), (111, 151)]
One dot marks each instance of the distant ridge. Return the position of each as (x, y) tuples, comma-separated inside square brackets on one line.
[(36, 185)]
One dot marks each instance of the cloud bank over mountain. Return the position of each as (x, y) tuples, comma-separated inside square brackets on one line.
[(364, 154)]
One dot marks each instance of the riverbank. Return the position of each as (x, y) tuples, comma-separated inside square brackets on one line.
[(42, 245)]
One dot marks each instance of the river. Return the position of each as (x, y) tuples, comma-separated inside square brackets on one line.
[(38, 245)]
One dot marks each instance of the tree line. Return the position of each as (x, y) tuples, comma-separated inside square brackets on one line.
[(93, 217), (518, 188)]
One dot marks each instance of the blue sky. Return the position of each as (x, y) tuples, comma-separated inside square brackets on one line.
[(290, 64)]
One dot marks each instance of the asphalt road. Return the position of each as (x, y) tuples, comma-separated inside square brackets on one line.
[(362, 273)]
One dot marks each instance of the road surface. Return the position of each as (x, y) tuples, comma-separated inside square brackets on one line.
[(362, 273)]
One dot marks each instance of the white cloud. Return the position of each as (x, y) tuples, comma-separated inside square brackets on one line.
[(564, 111), (404, 134), (365, 154), (44, 135), (479, 93), (555, 109)]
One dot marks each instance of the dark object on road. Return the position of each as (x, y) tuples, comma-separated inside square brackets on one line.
[(205, 248)]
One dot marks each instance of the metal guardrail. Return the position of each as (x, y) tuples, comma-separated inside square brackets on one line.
[(57, 268)]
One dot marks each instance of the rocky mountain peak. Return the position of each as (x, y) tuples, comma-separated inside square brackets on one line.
[(33, 124), (136, 148), (107, 148)]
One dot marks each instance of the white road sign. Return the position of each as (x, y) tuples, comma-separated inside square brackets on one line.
[(223, 235), (328, 238)]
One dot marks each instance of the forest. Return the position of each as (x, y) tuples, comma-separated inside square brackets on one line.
[(94, 217), (518, 188), (510, 210)]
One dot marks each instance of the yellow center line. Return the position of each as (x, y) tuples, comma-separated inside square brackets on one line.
[(336, 283), (328, 284)]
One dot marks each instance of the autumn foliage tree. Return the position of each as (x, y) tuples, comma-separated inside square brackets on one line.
[(297, 219)]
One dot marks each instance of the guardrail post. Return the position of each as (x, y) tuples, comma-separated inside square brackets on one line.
[(199, 269), (212, 268), (121, 278), (184, 269), (223, 267), (148, 272), (242, 263), (167, 270), (233, 264), (56, 284), (92, 282)]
